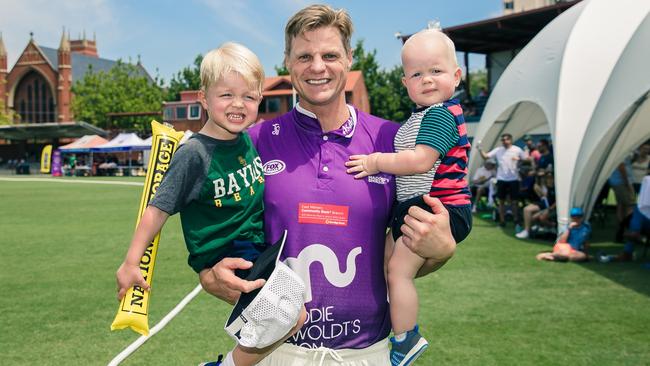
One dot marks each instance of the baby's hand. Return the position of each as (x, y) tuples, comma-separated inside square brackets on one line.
[(128, 276), (365, 165)]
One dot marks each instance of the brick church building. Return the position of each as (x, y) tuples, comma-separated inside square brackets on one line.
[(38, 87)]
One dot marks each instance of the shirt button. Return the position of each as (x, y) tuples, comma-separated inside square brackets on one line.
[(325, 169), (325, 138)]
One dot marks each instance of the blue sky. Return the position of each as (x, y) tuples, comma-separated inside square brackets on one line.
[(169, 34)]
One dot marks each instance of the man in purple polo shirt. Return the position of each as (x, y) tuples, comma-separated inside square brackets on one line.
[(337, 225)]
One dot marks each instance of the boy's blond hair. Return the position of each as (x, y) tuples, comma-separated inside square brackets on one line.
[(232, 57), (314, 17), (436, 33)]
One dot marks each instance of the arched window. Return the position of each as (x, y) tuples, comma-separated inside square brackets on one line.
[(34, 96)]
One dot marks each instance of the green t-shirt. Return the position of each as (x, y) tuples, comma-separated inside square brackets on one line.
[(218, 188)]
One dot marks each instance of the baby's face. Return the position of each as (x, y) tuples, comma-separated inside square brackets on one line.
[(430, 73)]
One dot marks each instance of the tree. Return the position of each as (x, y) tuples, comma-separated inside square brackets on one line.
[(281, 70), (477, 81), (189, 78), (121, 89), (388, 97)]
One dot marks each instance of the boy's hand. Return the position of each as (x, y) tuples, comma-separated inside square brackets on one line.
[(127, 276), (365, 165)]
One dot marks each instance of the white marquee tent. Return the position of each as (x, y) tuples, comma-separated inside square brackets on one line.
[(587, 76)]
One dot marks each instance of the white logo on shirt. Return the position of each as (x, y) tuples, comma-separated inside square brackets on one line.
[(377, 179), (273, 167), (276, 129), (330, 263)]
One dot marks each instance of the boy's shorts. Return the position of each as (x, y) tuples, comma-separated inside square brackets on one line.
[(241, 249), (460, 217)]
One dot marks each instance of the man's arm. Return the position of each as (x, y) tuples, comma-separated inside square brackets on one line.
[(429, 235)]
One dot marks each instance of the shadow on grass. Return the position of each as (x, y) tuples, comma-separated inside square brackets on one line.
[(633, 275)]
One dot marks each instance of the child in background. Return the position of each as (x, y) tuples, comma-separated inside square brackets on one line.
[(573, 244), (215, 179), (432, 152)]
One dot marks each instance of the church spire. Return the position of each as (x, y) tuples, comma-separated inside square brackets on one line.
[(3, 50), (65, 42)]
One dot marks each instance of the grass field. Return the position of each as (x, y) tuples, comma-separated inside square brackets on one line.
[(493, 304)]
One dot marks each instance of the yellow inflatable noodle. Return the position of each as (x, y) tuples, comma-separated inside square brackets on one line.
[(133, 311)]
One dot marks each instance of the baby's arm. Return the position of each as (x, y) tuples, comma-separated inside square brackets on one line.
[(405, 162), (129, 273)]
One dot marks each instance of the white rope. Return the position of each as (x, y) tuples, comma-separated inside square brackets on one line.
[(163, 322)]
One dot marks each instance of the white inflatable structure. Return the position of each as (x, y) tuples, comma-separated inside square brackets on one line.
[(587, 76)]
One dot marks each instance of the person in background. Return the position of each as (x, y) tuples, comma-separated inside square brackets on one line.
[(573, 244), (508, 157), (640, 221), (531, 150), (640, 165), (481, 181), (621, 183)]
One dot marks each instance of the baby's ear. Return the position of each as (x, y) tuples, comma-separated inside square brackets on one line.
[(457, 75)]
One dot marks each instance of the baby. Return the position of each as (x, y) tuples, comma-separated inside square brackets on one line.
[(432, 152)]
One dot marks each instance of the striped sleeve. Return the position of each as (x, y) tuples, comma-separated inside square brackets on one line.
[(438, 130)]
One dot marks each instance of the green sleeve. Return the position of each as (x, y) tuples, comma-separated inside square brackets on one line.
[(438, 130)]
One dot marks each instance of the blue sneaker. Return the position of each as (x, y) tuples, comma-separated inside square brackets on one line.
[(405, 352), (213, 363)]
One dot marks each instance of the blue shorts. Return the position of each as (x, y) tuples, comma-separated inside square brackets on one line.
[(639, 222), (240, 249)]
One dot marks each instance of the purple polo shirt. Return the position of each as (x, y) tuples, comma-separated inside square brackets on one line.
[(336, 224)]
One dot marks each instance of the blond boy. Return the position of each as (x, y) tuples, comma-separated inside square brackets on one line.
[(215, 179), (431, 158)]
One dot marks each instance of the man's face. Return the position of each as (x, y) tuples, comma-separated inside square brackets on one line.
[(506, 141), (318, 64)]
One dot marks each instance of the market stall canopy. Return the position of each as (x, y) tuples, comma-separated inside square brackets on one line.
[(50, 130), (123, 142), (84, 144)]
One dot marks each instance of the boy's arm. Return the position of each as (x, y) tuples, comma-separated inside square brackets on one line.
[(406, 162), (129, 273)]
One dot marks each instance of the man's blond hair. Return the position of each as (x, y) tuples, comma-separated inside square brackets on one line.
[(433, 34), (314, 17), (232, 57)]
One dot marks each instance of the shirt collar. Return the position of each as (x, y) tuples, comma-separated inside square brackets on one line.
[(311, 122)]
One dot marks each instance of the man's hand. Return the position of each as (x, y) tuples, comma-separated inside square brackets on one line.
[(221, 281), (364, 165), (429, 234)]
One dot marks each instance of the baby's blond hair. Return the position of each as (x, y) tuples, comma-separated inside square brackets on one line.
[(431, 34), (232, 57)]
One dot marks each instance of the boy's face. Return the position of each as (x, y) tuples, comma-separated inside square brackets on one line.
[(231, 105), (319, 64), (430, 74)]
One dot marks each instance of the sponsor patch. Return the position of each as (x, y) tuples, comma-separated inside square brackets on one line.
[(273, 167), (378, 179), (319, 213)]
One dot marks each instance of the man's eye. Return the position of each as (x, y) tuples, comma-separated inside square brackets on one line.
[(304, 58), (330, 57)]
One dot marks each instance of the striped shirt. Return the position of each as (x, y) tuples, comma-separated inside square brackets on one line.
[(440, 126)]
